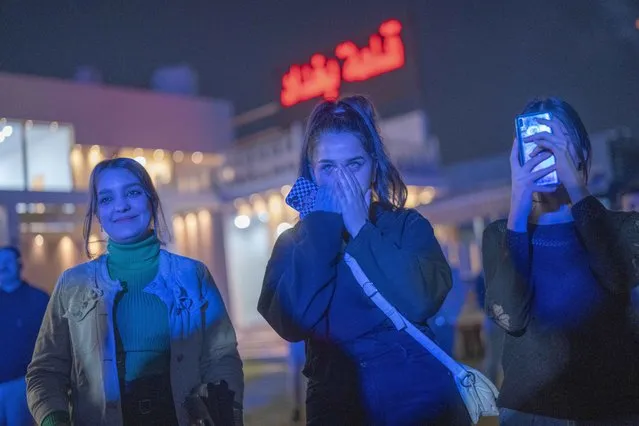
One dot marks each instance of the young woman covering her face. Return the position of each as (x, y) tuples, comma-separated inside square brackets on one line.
[(129, 337), (361, 370), (559, 274)]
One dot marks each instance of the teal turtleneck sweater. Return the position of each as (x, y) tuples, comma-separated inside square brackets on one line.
[(141, 319)]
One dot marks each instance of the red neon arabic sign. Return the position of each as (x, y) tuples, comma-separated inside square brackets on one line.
[(323, 76)]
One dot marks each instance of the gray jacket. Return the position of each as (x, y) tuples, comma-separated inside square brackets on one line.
[(74, 362)]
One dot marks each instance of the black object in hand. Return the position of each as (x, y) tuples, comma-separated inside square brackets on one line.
[(220, 403)]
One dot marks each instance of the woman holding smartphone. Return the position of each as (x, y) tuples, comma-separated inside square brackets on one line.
[(131, 337), (559, 274), (361, 370)]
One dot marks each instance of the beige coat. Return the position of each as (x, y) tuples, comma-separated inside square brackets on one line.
[(74, 362)]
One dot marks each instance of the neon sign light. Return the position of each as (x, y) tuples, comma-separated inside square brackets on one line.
[(322, 77)]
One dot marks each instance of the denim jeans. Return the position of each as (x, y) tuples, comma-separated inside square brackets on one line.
[(508, 417), (399, 384), (13, 404)]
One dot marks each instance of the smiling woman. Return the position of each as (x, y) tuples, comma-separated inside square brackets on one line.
[(158, 317), (125, 202)]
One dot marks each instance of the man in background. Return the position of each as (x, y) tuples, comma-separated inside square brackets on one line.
[(21, 311), (629, 203), (630, 199), (444, 323), (297, 382)]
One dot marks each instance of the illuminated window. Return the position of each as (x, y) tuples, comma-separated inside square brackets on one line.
[(48, 148), (11, 155), (155, 162)]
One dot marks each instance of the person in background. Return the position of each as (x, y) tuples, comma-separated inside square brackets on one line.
[(361, 369), (630, 199), (138, 336), (21, 310), (493, 336), (630, 203), (559, 272), (444, 323), (296, 359)]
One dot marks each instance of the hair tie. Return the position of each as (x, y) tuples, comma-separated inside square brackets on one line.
[(339, 109)]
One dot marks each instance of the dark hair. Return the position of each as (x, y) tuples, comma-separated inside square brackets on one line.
[(565, 113), (16, 252), (355, 115), (159, 222)]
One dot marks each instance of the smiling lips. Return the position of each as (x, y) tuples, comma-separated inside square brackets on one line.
[(124, 219)]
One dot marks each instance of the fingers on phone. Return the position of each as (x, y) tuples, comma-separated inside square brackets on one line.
[(542, 172), (537, 151), (537, 160)]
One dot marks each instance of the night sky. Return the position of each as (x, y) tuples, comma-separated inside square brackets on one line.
[(479, 61)]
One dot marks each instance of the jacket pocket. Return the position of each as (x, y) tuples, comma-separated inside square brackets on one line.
[(83, 326)]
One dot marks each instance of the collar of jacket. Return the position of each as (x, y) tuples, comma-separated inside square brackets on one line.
[(168, 284)]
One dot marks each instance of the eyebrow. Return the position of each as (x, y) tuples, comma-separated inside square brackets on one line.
[(127, 186), (359, 157)]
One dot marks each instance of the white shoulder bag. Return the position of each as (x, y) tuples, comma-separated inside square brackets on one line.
[(479, 393)]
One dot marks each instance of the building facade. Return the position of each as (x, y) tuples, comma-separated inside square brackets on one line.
[(223, 197), (53, 133)]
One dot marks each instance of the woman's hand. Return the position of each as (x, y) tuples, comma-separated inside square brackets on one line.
[(570, 175), (196, 409), (354, 204), (326, 199), (524, 185)]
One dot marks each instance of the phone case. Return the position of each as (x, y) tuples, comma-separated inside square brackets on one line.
[(302, 196), (526, 125)]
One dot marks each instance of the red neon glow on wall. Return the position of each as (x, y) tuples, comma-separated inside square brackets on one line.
[(323, 76)]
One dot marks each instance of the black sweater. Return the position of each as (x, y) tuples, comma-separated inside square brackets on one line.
[(309, 291), (562, 292)]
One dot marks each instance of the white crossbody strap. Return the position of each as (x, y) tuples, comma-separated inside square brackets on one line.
[(398, 319)]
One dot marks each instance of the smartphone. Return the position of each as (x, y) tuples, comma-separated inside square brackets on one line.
[(527, 125), (302, 196)]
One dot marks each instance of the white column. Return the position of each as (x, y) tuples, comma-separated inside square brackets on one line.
[(9, 225), (478, 229), (464, 259), (218, 255), (297, 133)]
